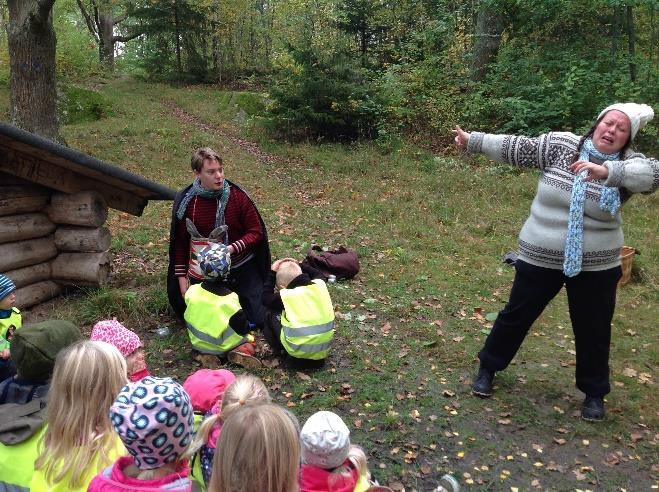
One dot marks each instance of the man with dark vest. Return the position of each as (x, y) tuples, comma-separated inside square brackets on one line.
[(209, 204)]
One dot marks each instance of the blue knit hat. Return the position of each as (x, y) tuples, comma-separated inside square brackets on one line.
[(6, 286)]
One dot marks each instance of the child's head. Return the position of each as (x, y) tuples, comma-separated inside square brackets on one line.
[(287, 271), (87, 377), (7, 295), (127, 341), (243, 391), (325, 440), (215, 262), (34, 347), (206, 386), (154, 419), (258, 450)]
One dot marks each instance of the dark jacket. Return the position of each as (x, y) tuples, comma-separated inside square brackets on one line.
[(261, 254)]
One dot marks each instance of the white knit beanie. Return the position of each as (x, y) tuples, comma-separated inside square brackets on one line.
[(638, 114), (325, 440)]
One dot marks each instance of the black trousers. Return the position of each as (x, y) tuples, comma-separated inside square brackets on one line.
[(591, 300), (246, 281)]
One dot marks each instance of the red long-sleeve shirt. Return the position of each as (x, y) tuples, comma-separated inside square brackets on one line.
[(240, 216)]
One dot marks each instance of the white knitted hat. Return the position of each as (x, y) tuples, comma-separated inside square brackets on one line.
[(325, 440), (638, 114)]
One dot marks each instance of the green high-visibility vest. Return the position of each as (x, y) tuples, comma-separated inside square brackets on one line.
[(307, 323), (16, 320), (207, 316)]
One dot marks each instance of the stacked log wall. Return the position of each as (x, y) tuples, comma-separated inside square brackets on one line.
[(51, 240)]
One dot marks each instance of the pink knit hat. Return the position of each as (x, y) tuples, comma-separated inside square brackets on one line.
[(114, 333), (207, 386)]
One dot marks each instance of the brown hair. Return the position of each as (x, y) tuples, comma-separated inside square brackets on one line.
[(200, 155), (258, 449)]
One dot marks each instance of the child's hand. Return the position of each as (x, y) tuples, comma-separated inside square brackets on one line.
[(4, 354)]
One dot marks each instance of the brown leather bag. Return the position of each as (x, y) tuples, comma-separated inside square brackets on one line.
[(343, 263)]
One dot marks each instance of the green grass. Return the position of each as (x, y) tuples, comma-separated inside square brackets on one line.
[(431, 232)]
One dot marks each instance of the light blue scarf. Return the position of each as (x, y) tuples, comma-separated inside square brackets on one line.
[(609, 201)]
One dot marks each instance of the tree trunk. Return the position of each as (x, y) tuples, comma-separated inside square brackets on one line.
[(83, 239), (91, 269), (26, 253), (106, 35), (615, 32), (25, 226), (37, 293), (631, 36), (177, 34), (29, 275), (490, 24), (31, 42)]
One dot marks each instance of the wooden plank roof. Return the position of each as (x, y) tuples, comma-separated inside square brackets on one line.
[(44, 162)]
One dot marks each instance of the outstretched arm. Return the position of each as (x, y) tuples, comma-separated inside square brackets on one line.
[(511, 149)]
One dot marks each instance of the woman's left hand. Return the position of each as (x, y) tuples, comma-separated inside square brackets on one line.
[(595, 171)]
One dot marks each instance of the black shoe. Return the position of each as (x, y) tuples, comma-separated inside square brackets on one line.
[(482, 385), (593, 409)]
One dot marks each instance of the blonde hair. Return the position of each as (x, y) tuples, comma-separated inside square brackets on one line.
[(87, 377), (286, 272), (200, 155), (259, 449), (245, 390), (358, 459)]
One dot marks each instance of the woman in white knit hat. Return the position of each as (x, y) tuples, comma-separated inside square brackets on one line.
[(571, 238)]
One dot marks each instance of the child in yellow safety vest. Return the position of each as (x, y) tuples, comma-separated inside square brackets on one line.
[(214, 317), (300, 317), (10, 320)]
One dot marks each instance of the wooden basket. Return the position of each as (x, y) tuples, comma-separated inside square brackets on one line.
[(627, 259)]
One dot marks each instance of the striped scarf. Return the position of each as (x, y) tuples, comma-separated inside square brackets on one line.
[(609, 201), (222, 196)]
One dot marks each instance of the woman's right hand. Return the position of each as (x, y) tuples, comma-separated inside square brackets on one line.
[(461, 137)]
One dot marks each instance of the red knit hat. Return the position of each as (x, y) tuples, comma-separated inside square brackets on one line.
[(206, 387), (114, 333)]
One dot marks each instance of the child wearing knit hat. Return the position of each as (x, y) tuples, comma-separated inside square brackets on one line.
[(244, 390), (10, 320), (154, 419), (128, 343), (329, 461)]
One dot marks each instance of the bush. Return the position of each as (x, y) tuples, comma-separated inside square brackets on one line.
[(323, 99), (77, 105)]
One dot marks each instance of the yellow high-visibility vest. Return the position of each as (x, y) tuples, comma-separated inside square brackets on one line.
[(17, 462), (15, 319), (307, 323), (207, 317)]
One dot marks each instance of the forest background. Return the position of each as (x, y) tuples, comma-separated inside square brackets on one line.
[(348, 107)]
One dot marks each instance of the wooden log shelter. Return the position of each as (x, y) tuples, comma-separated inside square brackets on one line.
[(54, 203)]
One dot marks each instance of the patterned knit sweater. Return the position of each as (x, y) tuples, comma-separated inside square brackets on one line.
[(542, 239)]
